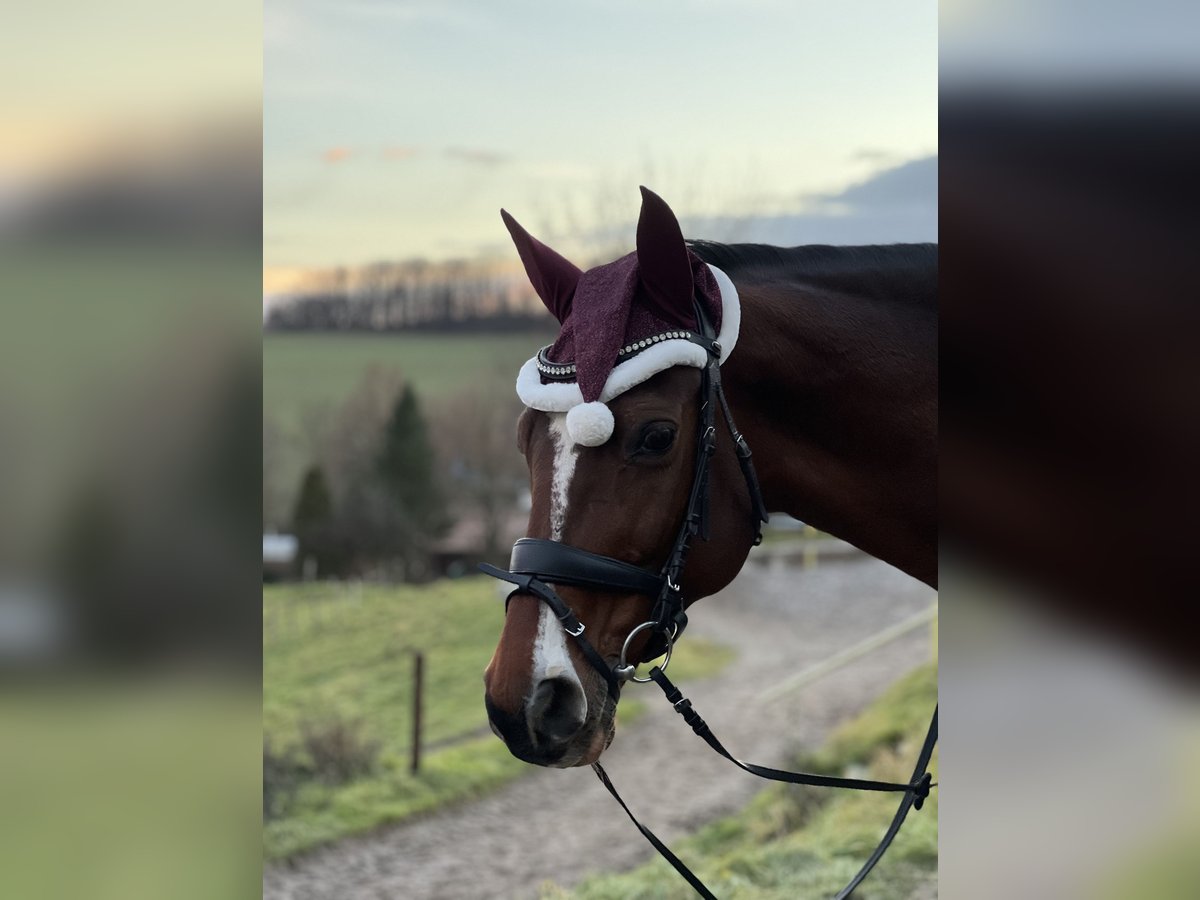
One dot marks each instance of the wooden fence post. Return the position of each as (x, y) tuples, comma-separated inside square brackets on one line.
[(418, 702)]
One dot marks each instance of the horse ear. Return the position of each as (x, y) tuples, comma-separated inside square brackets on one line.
[(553, 277), (663, 264)]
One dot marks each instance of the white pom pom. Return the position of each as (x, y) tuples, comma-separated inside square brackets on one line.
[(590, 424)]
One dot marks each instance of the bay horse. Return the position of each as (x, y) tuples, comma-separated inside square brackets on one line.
[(833, 383)]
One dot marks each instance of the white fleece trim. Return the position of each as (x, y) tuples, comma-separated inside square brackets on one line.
[(731, 313), (563, 395)]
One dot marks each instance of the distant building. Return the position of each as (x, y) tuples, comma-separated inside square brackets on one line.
[(465, 544), (280, 552)]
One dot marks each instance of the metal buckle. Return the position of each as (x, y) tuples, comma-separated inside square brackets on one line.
[(625, 671), (574, 633)]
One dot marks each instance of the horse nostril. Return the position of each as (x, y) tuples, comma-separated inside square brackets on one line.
[(556, 711)]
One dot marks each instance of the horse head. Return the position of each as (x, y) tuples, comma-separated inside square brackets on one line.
[(619, 413)]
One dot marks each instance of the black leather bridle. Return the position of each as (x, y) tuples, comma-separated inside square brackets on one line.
[(536, 564)]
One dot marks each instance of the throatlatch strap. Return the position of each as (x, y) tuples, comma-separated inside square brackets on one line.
[(915, 791), (745, 460)]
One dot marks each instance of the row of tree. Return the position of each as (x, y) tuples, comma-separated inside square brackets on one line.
[(410, 295)]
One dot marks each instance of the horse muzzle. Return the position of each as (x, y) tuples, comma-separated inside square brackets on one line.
[(552, 727)]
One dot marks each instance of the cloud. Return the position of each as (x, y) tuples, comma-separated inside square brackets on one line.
[(895, 204), (475, 156), (913, 184), (393, 152), (400, 152)]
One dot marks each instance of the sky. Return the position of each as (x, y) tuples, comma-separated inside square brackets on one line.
[(74, 87), (396, 129)]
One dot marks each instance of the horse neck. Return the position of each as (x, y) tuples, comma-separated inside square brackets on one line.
[(837, 395)]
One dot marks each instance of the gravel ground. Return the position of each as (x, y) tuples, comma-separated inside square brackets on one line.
[(560, 824)]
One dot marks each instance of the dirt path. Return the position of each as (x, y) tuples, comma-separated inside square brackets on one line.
[(559, 824)]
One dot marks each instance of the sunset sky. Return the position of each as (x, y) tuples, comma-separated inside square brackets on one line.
[(396, 129)]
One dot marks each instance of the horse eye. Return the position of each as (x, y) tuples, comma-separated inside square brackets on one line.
[(657, 438)]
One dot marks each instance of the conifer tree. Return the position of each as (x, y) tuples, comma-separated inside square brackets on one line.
[(313, 522), (405, 467)]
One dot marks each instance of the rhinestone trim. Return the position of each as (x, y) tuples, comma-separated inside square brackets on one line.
[(567, 370)]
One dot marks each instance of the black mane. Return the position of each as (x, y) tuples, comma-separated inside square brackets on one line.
[(883, 270)]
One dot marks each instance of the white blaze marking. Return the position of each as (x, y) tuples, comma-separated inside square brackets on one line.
[(550, 656), (565, 452)]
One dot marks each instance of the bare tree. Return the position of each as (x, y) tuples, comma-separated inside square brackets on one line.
[(475, 434), (346, 440), (596, 223)]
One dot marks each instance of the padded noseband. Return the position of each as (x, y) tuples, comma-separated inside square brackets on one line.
[(563, 564)]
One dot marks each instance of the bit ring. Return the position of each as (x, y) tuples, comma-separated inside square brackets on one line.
[(625, 671)]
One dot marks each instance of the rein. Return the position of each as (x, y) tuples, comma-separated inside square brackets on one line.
[(915, 791), (536, 563)]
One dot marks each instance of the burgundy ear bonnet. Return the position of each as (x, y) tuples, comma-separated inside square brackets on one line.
[(622, 322)]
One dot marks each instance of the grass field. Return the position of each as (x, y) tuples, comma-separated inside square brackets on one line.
[(118, 788), (345, 653), (316, 371), (808, 842)]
